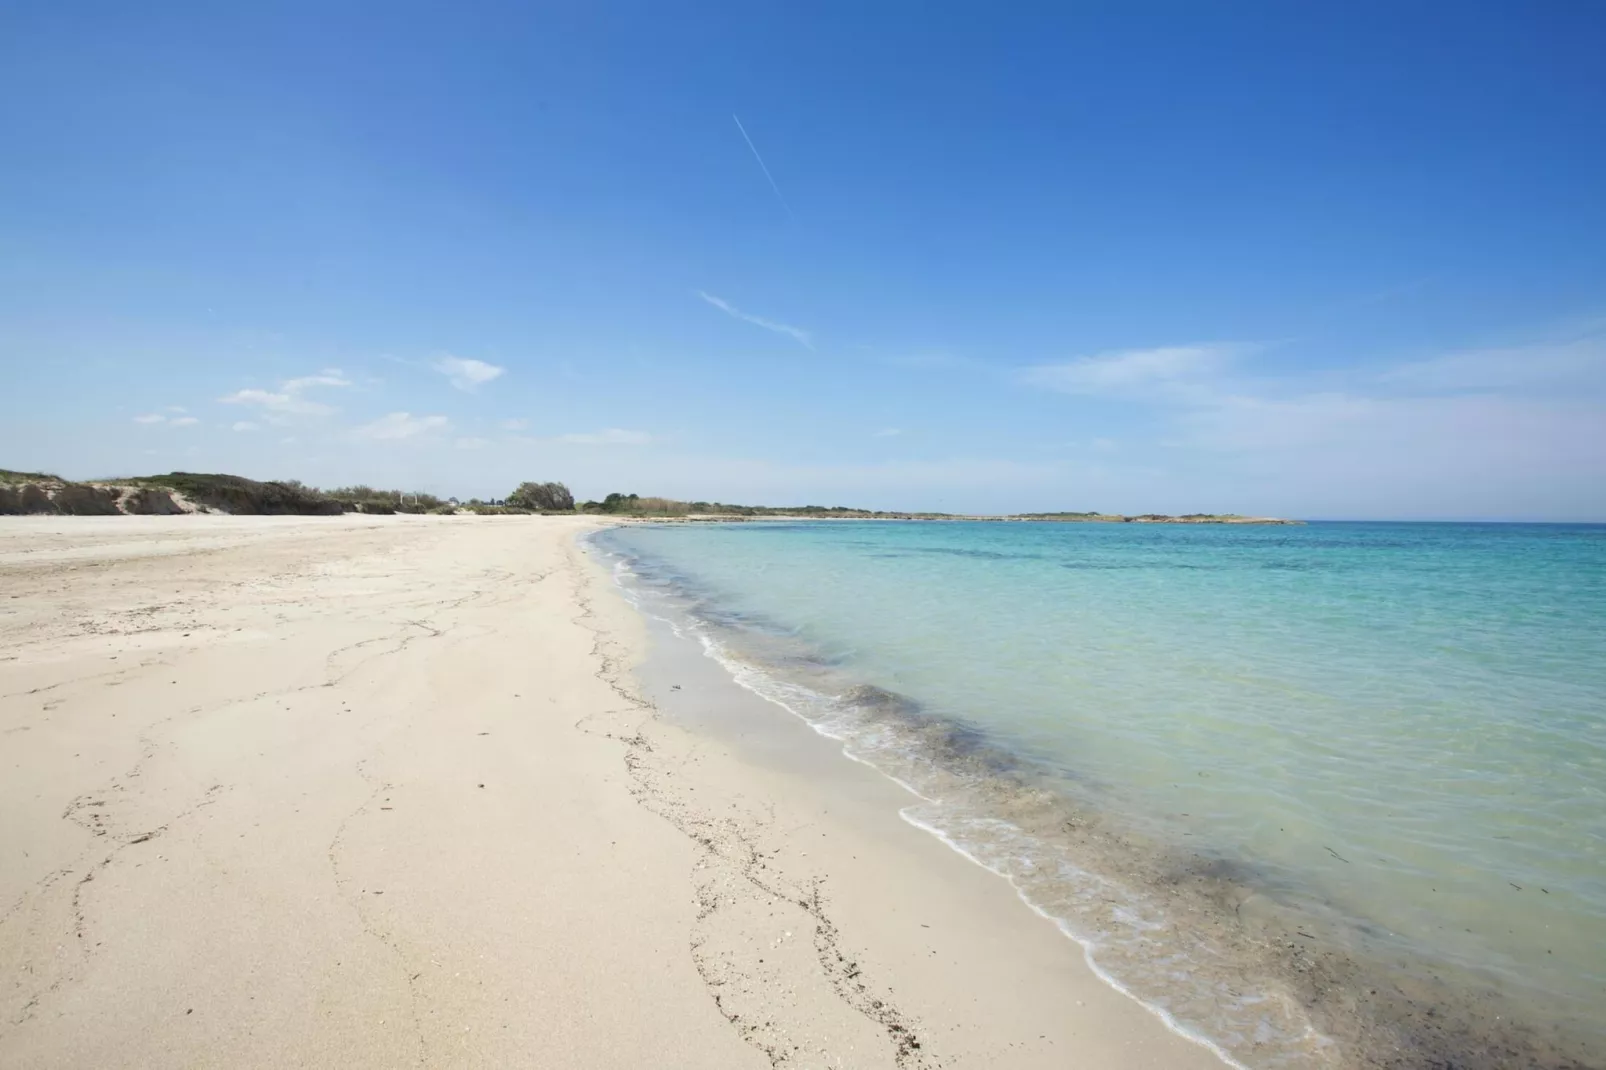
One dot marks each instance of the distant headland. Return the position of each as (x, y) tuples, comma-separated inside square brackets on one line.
[(39, 493)]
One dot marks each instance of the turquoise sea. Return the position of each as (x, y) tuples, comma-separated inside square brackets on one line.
[(1332, 793)]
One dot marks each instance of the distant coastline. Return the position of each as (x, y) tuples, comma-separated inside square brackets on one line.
[(39, 493), (1002, 518)]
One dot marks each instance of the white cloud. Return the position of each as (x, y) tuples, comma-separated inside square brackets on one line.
[(769, 325), (246, 425), (399, 425), (280, 403), (150, 418), (253, 396), (287, 401), (1565, 365), (1495, 432), (612, 436), (472, 443), (888, 432), (176, 408), (515, 425), (1165, 371), (466, 373), (326, 377)]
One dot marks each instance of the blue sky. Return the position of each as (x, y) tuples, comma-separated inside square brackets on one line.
[(1326, 261)]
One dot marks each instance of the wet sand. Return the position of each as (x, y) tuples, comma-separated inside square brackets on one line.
[(382, 791)]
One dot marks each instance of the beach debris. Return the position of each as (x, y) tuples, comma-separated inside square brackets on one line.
[(1334, 853)]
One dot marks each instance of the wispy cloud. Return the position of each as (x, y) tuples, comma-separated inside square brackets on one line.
[(288, 400), (400, 425), (277, 402), (465, 373), (1568, 364), (1504, 431), (153, 418), (1165, 371), (726, 307), (326, 377), (888, 432), (515, 425), (764, 168), (246, 425), (472, 443), (612, 436)]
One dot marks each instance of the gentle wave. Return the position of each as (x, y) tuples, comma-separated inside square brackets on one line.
[(1242, 957), (947, 824)]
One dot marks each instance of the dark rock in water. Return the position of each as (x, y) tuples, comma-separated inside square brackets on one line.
[(953, 743), (878, 700)]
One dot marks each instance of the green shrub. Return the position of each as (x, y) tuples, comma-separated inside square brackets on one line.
[(542, 497), (236, 494)]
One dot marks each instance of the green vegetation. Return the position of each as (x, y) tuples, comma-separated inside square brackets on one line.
[(365, 499), (479, 508), (542, 498), (37, 492), (637, 505), (8, 476), (236, 494)]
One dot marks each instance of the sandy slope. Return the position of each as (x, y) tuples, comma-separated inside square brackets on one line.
[(377, 792)]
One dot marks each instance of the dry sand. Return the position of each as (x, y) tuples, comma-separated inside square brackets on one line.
[(381, 792)]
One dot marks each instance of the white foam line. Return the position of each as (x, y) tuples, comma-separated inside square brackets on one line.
[(737, 671), (1087, 947)]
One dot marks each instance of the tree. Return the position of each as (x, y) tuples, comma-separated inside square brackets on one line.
[(542, 497), (619, 503)]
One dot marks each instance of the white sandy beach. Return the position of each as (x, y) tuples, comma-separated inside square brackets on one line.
[(380, 792)]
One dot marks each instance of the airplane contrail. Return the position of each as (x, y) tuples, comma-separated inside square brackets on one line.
[(778, 194)]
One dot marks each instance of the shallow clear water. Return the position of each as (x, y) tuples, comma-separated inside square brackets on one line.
[(1388, 739)]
